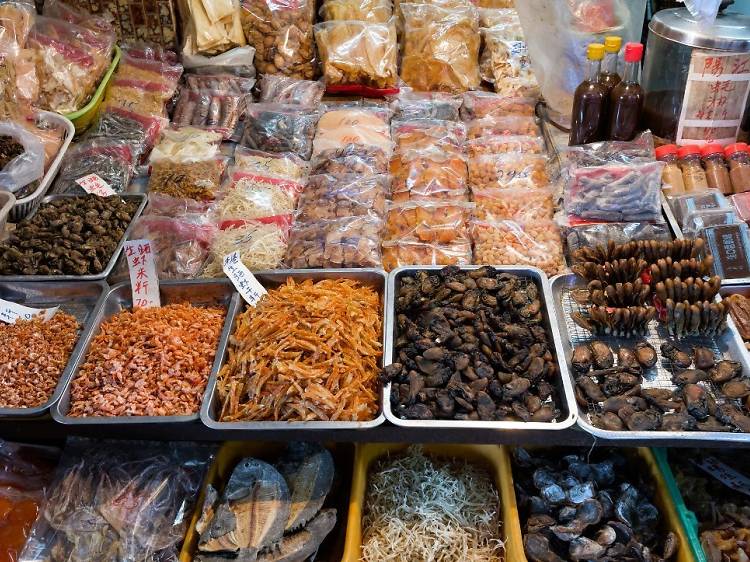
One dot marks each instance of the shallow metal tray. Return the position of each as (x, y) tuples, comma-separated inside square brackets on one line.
[(77, 299), (142, 200), (119, 297), (566, 403), (728, 346), (375, 278)]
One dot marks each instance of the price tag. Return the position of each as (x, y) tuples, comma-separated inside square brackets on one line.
[(92, 183), (144, 282), (725, 474), (243, 279), (10, 312)]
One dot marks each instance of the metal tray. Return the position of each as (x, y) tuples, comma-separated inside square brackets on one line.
[(729, 345), (566, 404), (142, 200), (375, 278), (77, 299), (196, 292)]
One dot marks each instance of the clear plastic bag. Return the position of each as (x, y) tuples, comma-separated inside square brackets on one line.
[(275, 88), (282, 34), (280, 128), (535, 243), (110, 159), (429, 176), (504, 144), (357, 52), (440, 47), (505, 61), (135, 496), (330, 197), (284, 165), (250, 196), (591, 235), (477, 105), (187, 144), (408, 104), (398, 254), (77, 16), (518, 204), (508, 171), (361, 126), (524, 125), (439, 223), (143, 98), (16, 19), (429, 134), (211, 27), (237, 61), (21, 157), (212, 110), (149, 51), (351, 159), (371, 11), (262, 244), (490, 17), (167, 206), (225, 83), (139, 131), (344, 242), (684, 206), (198, 180)]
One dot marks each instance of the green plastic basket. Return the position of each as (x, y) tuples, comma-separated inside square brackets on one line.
[(687, 518), (83, 118)]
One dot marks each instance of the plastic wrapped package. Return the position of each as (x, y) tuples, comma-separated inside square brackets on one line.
[(141, 49), (535, 243), (490, 17), (208, 109), (211, 27), (371, 11), (433, 222), (262, 244), (280, 128), (704, 219), (343, 242), (429, 176), (16, 19), (282, 35), (504, 144), (237, 61), (592, 235), (136, 497), (283, 165), (685, 206), (741, 204), (110, 159), (440, 47), (730, 247), (523, 125), (198, 180), (331, 197), (359, 126), (187, 144), (508, 170), (496, 4), (148, 69), (21, 157), (276, 88), (167, 206), (358, 53), (144, 98), (224, 83), (518, 204), (351, 159), (479, 104), (251, 196), (398, 254), (140, 131), (428, 134), (50, 133), (505, 61), (408, 104)]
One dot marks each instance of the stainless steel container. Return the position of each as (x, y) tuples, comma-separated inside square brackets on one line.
[(198, 292), (567, 403), (374, 278)]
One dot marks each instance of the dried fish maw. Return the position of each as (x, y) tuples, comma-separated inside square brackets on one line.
[(299, 546), (253, 511), (308, 470)]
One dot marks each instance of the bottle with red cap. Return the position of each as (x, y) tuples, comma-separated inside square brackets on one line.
[(716, 168), (671, 175), (738, 158), (692, 170), (626, 99)]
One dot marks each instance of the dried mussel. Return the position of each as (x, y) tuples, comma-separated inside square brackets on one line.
[(582, 506), (471, 345)]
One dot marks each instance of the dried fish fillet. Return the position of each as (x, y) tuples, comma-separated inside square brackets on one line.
[(308, 470)]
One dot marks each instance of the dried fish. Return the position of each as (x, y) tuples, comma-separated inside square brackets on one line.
[(308, 470)]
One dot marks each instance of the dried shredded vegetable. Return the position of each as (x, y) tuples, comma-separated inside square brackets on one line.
[(261, 246), (251, 200)]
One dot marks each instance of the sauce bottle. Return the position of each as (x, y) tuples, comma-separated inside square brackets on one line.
[(626, 99), (588, 101), (671, 175), (738, 158), (609, 76), (692, 170), (716, 168)]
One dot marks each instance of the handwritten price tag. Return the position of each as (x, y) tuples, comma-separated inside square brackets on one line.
[(92, 183), (243, 279), (144, 282), (725, 474), (10, 312)]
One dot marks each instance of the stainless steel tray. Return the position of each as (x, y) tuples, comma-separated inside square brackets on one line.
[(196, 292), (729, 346), (77, 299), (566, 404), (142, 200), (375, 278)]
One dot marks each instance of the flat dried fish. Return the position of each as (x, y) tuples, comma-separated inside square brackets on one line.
[(308, 470), (299, 546)]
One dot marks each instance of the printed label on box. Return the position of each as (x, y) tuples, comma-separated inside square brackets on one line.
[(144, 282), (243, 279)]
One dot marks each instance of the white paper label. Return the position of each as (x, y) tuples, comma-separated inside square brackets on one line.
[(144, 282), (10, 312), (92, 183), (243, 279), (725, 474)]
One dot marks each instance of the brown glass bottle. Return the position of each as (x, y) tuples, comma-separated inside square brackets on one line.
[(626, 99), (588, 102), (609, 77)]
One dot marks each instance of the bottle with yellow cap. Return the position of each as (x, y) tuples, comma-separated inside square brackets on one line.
[(588, 102), (609, 76)]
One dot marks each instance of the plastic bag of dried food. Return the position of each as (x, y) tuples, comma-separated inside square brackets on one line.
[(504, 144), (440, 48), (357, 53), (518, 204), (427, 222), (534, 243), (144, 98), (429, 176), (343, 242), (261, 243), (198, 180), (16, 19), (275, 88), (477, 105), (502, 125), (225, 83), (237, 61), (21, 157), (280, 128), (251, 196), (167, 206), (283, 165), (49, 132), (149, 70), (496, 4), (508, 170), (490, 17), (282, 34), (211, 27), (408, 104), (187, 144), (371, 11), (149, 51), (78, 16), (213, 110), (351, 159), (505, 61), (139, 131), (330, 197), (359, 126), (428, 134), (135, 496), (109, 159), (399, 254)]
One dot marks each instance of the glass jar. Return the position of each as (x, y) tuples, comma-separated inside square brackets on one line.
[(671, 175), (717, 173), (692, 170), (738, 157)]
